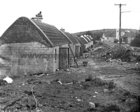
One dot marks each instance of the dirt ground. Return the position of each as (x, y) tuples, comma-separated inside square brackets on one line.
[(98, 87)]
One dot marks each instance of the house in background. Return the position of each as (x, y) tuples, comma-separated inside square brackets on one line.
[(126, 35), (75, 45), (108, 38), (103, 38), (32, 46), (90, 42), (86, 43)]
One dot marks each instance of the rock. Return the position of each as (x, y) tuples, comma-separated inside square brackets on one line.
[(23, 84), (92, 105), (8, 79), (2, 61), (96, 92), (85, 63), (57, 69), (68, 83), (38, 110), (59, 82), (130, 101), (67, 70), (79, 100), (106, 90)]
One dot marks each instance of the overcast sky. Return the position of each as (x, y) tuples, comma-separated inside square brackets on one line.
[(72, 15)]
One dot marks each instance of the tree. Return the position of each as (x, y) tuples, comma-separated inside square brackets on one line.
[(136, 41), (95, 35), (116, 40), (125, 39)]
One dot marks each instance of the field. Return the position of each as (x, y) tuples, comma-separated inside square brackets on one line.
[(98, 87)]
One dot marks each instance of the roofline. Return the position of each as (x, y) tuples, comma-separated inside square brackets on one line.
[(72, 37), (76, 37), (77, 42), (66, 36), (85, 39), (41, 32), (34, 25), (88, 38)]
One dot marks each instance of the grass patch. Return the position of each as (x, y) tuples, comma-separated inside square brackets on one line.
[(111, 108), (90, 81)]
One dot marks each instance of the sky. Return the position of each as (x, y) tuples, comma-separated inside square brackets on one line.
[(72, 15)]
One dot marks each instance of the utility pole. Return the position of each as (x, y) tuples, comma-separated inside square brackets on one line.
[(120, 12)]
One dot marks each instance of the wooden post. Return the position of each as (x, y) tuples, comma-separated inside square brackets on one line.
[(120, 12), (73, 56)]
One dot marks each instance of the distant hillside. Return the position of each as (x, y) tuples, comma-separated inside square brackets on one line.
[(110, 32)]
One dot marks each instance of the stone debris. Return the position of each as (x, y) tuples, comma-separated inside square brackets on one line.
[(106, 90), (96, 92), (8, 79), (78, 100), (92, 105), (59, 82), (68, 83)]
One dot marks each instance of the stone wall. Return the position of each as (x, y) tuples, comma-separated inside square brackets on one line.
[(27, 58)]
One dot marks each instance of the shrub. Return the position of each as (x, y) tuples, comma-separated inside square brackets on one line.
[(116, 40), (121, 52), (136, 41)]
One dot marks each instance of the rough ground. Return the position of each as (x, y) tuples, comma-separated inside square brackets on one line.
[(98, 87)]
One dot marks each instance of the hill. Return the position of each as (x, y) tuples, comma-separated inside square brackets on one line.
[(110, 32)]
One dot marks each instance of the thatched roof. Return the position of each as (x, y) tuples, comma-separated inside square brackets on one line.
[(72, 38), (82, 41), (55, 36), (27, 30)]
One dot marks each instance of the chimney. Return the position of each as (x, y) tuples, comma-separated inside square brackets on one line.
[(62, 29), (38, 17)]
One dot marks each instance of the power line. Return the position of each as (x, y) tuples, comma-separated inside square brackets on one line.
[(120, 12), (125, 11)]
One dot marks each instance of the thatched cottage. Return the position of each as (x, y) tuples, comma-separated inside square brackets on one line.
[(31, 46), (86, 43), (75, 44)]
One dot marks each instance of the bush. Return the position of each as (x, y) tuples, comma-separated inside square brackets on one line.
[(121, 52), (89, 78), (116, 40), (111, 108), (136, 41), (111, 85)]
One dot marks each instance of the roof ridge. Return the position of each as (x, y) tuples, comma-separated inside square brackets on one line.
[(42, 32), (53, 33), (74, 38), (66, 36)]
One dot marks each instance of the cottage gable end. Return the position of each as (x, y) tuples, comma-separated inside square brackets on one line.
[(23, 30)]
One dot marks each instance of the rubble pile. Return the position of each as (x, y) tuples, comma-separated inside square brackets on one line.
[(113, 52), (121, 52), (100, 51)]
